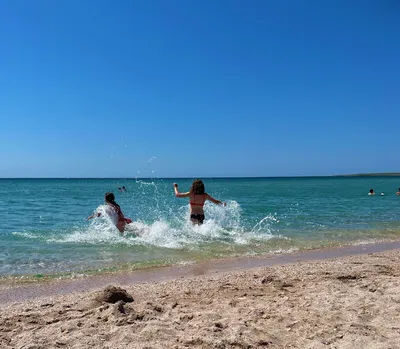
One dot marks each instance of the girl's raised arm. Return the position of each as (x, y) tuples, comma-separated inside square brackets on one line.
[(178, 194)]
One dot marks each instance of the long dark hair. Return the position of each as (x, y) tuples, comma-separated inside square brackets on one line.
[(197, 187), (110, 198)]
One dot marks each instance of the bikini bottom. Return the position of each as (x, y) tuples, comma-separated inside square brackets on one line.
[(198, 217)]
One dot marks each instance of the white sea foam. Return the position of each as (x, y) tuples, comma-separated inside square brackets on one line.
[(27, 235), (222, 224)]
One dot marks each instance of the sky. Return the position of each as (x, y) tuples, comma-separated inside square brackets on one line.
[(211, 88)]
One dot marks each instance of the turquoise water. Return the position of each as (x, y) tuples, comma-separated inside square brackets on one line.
[(43, 227)]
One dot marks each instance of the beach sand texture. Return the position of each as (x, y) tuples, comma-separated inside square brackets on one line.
[(346, 302)]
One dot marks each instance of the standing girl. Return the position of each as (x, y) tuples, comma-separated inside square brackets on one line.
[(198, 197)]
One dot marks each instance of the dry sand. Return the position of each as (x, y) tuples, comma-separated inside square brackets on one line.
[(344, 302)]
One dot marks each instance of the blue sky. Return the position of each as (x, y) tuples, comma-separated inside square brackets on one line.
[(185, 88)]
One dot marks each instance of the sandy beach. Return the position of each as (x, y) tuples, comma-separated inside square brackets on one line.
[(342, 302)]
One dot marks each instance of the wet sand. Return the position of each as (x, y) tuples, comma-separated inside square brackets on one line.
[(22, 292), (350, 300)]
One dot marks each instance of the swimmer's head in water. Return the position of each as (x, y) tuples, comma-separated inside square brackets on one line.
[(109, 197), (197, 187)]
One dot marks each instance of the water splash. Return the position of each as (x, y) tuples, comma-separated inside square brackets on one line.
[(173, 230)]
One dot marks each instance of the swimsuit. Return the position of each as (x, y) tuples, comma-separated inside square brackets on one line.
[(198, 217), (197, 204)]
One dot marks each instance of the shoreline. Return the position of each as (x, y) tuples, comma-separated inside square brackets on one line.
[(12, 290), (349, 301)]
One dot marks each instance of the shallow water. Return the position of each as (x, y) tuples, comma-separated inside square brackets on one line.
[(44, 230)]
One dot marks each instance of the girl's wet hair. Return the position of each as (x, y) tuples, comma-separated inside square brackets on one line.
[(110, 198), (197, 187)]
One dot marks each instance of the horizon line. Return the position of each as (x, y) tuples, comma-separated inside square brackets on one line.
[(372, 174)]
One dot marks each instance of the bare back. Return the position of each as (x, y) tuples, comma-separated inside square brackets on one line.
[(197, 202)]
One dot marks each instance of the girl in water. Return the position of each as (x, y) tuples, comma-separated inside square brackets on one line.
[(114, 212), (198, 197)]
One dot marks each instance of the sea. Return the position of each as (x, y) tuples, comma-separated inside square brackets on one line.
[(44, 231)]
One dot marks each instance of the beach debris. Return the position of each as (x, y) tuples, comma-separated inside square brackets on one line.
[(113, 294)]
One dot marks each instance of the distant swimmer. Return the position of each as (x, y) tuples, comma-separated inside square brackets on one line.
[(113, 210), (198, 197), (371, 192), (122, 188), (398, 193)]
